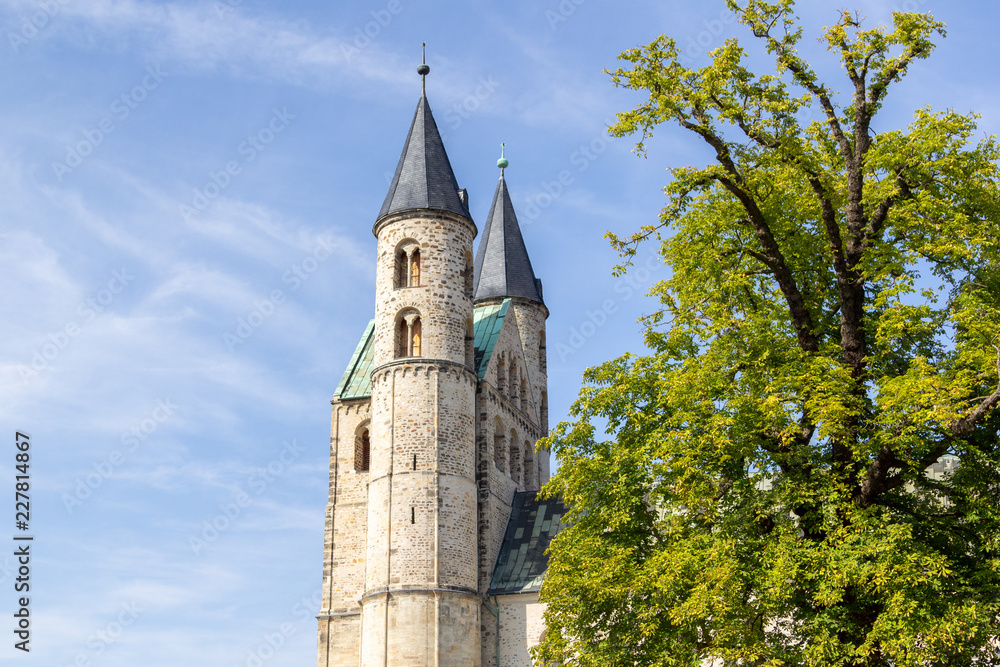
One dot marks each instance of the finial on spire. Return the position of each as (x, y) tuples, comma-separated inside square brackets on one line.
[(502, 162), (423, 69)]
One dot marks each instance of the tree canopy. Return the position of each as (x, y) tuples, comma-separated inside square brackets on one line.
[(829, 331)]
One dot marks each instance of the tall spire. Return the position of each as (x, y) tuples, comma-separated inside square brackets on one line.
[(424, 178), (502, 267)]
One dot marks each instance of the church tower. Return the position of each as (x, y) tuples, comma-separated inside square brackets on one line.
[(435, 538)]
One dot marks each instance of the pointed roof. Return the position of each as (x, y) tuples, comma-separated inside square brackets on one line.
[(424, 178), (502, 267)]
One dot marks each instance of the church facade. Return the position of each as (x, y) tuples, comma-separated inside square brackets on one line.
[(435, 539)]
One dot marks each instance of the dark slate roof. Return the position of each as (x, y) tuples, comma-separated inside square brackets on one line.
[(488, 320), (502, 266), (357, 381), (424, 178), (521, 562)]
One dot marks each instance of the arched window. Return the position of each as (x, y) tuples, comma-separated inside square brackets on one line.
[(523, 391), (529, 466), (362, 450), (542, 362), (402, 334), (513, 384), (499, 446), (515, 459), (406, 268), (415, 333), (400, 270), (502, 376), (409, 333), (415, 268)]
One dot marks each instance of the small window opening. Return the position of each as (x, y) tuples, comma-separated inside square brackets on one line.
[(362, 451), (400, 277), (470, 343), (415, 269), (414, 461), (413, 514), (515, 460), (415, 334), (499, 450), (402, 333), (502, 377), (513, 384), (469, 273)]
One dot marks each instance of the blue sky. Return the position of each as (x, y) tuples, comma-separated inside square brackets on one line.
[(188, 191)]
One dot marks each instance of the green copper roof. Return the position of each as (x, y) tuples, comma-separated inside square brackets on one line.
[(357, 381), (487, 322), (521, 562)]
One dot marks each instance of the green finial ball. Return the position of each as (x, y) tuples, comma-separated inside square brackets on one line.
[(502, 162)]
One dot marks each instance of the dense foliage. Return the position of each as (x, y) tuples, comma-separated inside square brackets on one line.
[(830, 329)]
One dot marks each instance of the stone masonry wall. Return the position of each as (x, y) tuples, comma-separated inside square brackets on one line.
[(345, 537)]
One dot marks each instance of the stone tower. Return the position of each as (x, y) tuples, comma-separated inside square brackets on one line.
[(433, 469)]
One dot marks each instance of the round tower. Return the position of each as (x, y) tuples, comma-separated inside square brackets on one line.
[(503, 271), (421, 604)]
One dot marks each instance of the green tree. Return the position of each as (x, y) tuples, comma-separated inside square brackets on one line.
[(830, 329)]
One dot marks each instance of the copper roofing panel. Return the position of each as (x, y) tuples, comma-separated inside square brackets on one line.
[(488, 320), (521, 563), (356, 381)]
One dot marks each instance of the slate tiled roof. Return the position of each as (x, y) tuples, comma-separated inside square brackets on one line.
[(356, 381), (424, 178), (502, 267), (488, 321), (521, 562)]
